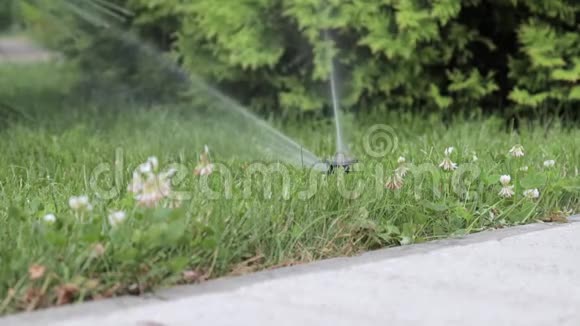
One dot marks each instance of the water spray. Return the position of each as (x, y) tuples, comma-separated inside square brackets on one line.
[(341, 159), (276, 144), (271, 143)]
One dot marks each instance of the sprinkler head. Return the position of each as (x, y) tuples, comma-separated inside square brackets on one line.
[(340, 161)]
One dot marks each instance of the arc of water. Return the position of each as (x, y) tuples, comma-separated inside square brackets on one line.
[(303, 155), (285, 147)]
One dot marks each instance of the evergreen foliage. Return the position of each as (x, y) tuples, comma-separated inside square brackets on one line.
[(548, 69)]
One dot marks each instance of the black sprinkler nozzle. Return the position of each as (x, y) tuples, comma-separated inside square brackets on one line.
[(340, 161)]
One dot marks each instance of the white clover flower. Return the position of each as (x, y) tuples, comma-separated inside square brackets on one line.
[(205, 170), (204, 167), (448, 165), (474, 158), (395, 182), (153, 162), (507, 192), (401, 171), (524, 168), (155, 188), (532, 193), (505, 179), (74, 203), (148, 186), (116, 218), (49, 218), (83, 200), (80, 204), (145, 168), (549, 163), (517, 151)]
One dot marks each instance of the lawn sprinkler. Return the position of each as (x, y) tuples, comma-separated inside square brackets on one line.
[(340, 161)]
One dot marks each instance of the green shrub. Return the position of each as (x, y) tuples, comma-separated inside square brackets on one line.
[(447, 55), (547, 70), (388, 53), (443, 55)]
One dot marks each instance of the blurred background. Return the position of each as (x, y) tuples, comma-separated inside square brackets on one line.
[(516, 59)]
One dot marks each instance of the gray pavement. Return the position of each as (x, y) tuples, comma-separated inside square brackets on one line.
[(527, 275), (17, 49)]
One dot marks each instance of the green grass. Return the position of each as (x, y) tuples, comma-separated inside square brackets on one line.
[(53, 148)]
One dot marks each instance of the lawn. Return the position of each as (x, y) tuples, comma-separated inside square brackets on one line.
[(231, 222)]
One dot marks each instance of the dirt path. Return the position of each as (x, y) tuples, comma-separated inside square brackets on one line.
[(21, 50)]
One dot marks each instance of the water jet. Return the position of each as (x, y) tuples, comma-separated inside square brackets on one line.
[(341, 160)]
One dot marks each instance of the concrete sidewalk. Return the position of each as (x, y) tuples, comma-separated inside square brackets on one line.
[(527, 275)]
